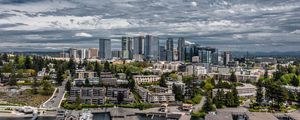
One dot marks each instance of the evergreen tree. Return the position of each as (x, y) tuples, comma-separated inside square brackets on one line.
[(13, 80), (295, 81), (233, 77), (131, 84), (219, 98), (120, 97), (28, 63), (68, 86), (230, 99), (59, 76), (259, 95), (97, 69), (5, 57), (236, 98), (87, 82), (162, 81), (35, 86), (266, 75), (16, 60), (208, 106), (72, 66), (106, 66), (178, 93), (280, 96)]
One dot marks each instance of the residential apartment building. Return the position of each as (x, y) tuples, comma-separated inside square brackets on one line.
[(83, 74), (88, 95), (154, 97), (139, 79), (114, 93)]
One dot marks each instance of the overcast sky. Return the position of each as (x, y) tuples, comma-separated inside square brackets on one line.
[(237, 25)]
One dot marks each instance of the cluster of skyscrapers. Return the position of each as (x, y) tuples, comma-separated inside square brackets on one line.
[(149, 48)]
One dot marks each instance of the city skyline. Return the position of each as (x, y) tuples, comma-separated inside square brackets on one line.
[(47, 25)]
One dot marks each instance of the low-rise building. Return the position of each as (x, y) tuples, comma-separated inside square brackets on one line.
[(106, 78), (88, 95), (139, 79), (245, 90), (114, 93), (153, 97), (83, 74)]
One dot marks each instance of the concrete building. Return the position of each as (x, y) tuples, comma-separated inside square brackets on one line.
[(114, 93), (106, 78), (105, 49), (153, 97), (139, 79), (169, 49), (181, 49), (151, 47), (88, 95), (116, 54), (93, 53), (195, 69), (227, 57), (138, 45), (127, 48), (245, 90), (83, 74)]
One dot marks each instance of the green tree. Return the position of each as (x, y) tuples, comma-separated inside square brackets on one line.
[(236, 98), (230, 100), (106, 66), (266, 75), (72, 66), (46, 87), (294, 81), (13, 80), (219, 98), (131, 84), (178, 93), (28, 63), (233, 77), (68, 86), (162, 81), (281, 95), (208, 106), (87, 82), (97, 69), (259, 95), (35, 86), (5, 57), (59, 76), (120, 97)]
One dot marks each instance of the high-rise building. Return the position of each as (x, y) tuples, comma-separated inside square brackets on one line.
[(74, 53), (181, 49), (205, 56), (215, 57), (138, 45), (105, 49), (227, 56), (117, 54), (83, 53), (93, 53), (127, 47), (169, 49), (162, 53), (151, 48)]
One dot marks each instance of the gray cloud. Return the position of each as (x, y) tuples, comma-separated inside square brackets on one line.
[(268, 25)]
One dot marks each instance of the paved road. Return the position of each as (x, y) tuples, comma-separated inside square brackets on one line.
[(56, 99), (200, 105)]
